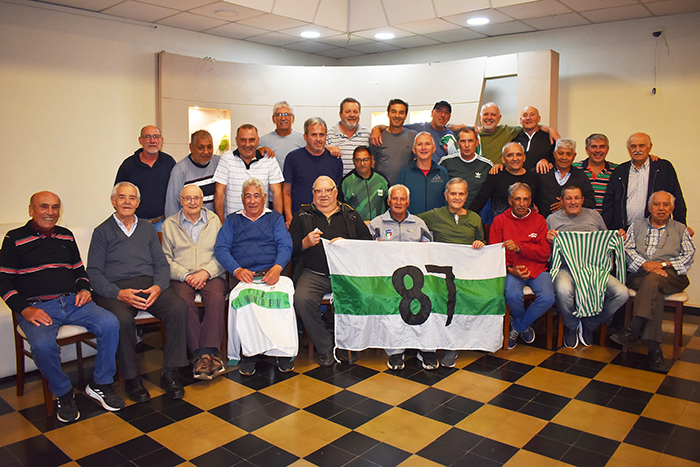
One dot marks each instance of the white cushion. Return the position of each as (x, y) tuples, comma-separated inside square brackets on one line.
[(528, 291), (144, 315), (674, 297)]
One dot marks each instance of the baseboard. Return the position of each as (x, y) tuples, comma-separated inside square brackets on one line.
[(691, 310)]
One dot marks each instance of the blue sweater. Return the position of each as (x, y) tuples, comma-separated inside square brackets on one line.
[(426, 192), (259, 245)]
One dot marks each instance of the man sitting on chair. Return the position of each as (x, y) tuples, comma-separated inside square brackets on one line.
[(659, 254), (255, 246), (43, 280)]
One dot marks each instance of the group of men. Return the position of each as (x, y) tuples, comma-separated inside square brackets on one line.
[(439, 182)]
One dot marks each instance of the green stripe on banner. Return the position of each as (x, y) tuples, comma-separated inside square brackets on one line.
[(266, 299), (362, 296)]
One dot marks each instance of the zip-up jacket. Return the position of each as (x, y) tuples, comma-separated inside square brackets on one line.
[(427, 192), (367, 196)]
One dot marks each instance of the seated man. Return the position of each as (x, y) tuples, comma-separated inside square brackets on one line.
[(362, 188), (455, 224), (575, 218), (524, 236), (254, 244), (399, 225), (129, 273), (659, 254), (326, 218), (43, 280), (188, 243)]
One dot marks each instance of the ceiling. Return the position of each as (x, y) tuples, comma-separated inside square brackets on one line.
[(347, 27)]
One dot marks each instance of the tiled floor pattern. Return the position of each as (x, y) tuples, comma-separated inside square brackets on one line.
[(526, 407)]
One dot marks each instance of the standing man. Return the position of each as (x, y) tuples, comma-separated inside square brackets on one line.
[(539, 150), (283, 139), (347, 134), (423, 176), (43, 281), (188, 243), (659, 254), (129, 272), (364, 189), (326, 218), (399, 225), (524, 236), (396, 147), (467, 165), (304, 165), (548, 199), (149, 169), (197, 168), (573, 217), (596, 167), (632, 183), (238, 166)]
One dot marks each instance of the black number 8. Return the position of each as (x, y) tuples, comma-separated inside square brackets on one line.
[(414, 293)]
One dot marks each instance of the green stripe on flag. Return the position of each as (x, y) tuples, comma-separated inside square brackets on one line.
[(368, 295), (266, 299)]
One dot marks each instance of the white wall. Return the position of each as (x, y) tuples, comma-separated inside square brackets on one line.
[(75, 90)]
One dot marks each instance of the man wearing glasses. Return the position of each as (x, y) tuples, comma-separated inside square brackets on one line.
[(364, 189), (149, 169), (189, 237), (283, 139), (326, 218)]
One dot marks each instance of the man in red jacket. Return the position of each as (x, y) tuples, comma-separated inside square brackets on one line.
[(524, 236)]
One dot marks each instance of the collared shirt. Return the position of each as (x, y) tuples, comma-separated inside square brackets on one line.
[(347, 144), (598, 182), (656, 238), (243, 213), (638, 184), (193, 229), (121, 225), (562, 180)]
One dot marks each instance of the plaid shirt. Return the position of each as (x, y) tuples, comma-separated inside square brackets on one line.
[(656, 236)]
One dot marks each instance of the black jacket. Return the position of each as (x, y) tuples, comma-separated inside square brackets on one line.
[(662, 177)]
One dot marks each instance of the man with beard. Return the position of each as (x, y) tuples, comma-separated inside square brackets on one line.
[(347, 134), (396, 147)]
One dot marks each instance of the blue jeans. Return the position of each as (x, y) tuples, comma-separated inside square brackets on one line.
[(521, 317), (45, 350), (616, 295)]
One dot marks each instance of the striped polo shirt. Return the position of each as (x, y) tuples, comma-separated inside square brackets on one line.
[(599, 182), (335, 137)]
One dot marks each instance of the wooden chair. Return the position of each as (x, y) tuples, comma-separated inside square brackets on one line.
[(529, 295), (327, 300), (68, 334), (675, 301)]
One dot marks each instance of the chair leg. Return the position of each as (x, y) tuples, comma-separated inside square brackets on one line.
[(560, 331), (506, 326), (603, 334), (677, 330), (20, 371), (550, 328), (79, 358), (48, 396), (628, 317), (311, 349)]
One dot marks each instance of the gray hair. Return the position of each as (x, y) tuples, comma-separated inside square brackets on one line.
[(503, 150), (454, 181), (489, 104), (253, 182), (314, 121), (597, 136), (280, 104), (565, 143), (121, 184), (423, 133), (518, 186), (651, 198), (200, 134), (398, 185)]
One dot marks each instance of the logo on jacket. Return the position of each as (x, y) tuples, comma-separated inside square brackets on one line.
[(533, 235), (477, 174), (437, 179), (388, 233)]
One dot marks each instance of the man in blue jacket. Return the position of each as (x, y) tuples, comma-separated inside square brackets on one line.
[(424, 177)]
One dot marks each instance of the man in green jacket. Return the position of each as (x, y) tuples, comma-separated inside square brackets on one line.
[(364, 189)]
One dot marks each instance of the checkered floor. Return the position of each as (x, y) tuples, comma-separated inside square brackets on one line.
[(529, 406)]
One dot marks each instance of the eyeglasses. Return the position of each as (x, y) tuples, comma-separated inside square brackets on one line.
[(323, 191), (155, 137), (281, 114), (364, 160), (189, 199)]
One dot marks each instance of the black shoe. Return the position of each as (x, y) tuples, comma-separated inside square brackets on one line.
[(346, 356), (585, 336), (135, 390), (625, 337), (173, 389), (428, 360), (66, 410), (656, 361), (105, 395), (570, 339), (285, 364), (395, 362), (326, 359), (247, 366)]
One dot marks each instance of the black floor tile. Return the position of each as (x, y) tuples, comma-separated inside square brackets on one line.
[(582, 458), (646, 440), (508, 402), (355, 443), (181, 411), (460, 439), (635, 395), (138, 447), (494, 450), (521, 392), (346, 398), (325, 408), (276, 410), (51, 458), (626, 405), (273, 457), (689, 451), (547, 447), (161, 458), (230, 410), (582, 371), (685, 435), (350, 418), (597, 444), (218, 457), (106, 458), (593, 397), (371, 407), (560, 433), (446, 415), (419, 406), (552, 400), (535, 409), (151, 422), (247, 446), (435, 395), (462, 404), (472, 460), (251, 421), (330, 456), (386, 455), (690, 355), (360, 462), (657, 427), (441, 453)]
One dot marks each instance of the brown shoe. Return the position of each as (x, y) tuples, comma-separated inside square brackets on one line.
[(216, 366), (201, 368)]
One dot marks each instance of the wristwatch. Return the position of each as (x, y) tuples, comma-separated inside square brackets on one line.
[(664, 264)]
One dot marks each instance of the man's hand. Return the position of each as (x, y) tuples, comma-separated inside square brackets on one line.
[(558, 206), (265, 151), (520, 271), (691, 232), (335, 151), (135, 298), (375, 136), (622, 233), (272, 275), (660, 272), (198, 279), (335, 239), (652, 266), (543, 166), (495, 169), (653, 157), (551, 235), (82, 297), (478, 245), (37, 316), (510, 245), (244, 275), (311, 239)]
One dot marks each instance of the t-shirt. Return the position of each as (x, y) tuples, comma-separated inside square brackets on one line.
[(451, 228), (301, 169), (492, 144), (437, 137), (394, 153), (588, 221), (151, 181), (496, 189), (474, 172), (536, 148), (187, 172), (283, 145)]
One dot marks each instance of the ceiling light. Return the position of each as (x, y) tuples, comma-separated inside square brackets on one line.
[(477, 21), (310, 34), (226, 13), (383, 36)]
